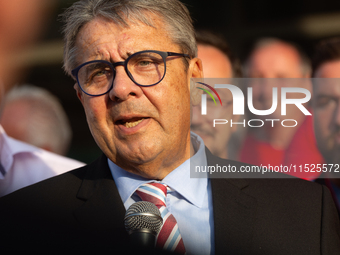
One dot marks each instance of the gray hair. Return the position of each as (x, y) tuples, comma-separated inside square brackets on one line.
[(174, 13), (305, 63), (47, 123)]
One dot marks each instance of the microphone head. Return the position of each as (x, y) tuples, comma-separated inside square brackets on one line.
[(143, 216)]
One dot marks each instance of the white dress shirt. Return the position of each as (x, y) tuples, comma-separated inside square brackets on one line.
[(189, 200), (24, 164)]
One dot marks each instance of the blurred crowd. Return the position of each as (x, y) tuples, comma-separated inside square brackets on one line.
[(311, 145)]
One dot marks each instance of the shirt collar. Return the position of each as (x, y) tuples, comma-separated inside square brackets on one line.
[(192, 189)]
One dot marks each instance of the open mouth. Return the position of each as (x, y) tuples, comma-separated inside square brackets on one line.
[(130, 123)]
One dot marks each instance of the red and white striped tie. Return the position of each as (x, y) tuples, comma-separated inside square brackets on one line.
[(169, 238)]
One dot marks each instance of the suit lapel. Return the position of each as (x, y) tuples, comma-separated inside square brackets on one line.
[(234, 212), (102, 207)]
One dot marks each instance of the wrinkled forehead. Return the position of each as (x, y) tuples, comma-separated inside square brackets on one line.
[(101, 36), (125, 22)]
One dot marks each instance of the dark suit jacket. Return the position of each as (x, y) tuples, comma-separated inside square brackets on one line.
[(81, 211), (323, 180)]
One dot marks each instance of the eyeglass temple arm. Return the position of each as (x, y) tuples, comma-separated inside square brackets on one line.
[(178, 54)]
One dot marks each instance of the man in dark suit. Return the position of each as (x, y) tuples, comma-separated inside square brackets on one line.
[(326, 93), (133, 61)]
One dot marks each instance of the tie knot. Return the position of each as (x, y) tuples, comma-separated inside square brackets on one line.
[(169, 237), (153, 192)]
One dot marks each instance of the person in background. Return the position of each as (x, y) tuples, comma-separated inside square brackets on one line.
[(21, 164), (326, 108), (210, 44), (218, 62), (33, 115), (279, 145), (276, 58), (132, 62)]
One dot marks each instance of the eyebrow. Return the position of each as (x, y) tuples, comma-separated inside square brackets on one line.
[(129, 53), (327, 96)]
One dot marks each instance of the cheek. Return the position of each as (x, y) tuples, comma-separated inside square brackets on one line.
[(173, 95), (322, 121), (227, 112), (95, 111), (171, 98)]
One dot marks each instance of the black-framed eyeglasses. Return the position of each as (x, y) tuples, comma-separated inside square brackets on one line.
[(145, 68)]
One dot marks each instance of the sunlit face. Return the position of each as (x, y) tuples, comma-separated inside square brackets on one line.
[(215, 65), (326, 107), (145, 130), (277, 60)]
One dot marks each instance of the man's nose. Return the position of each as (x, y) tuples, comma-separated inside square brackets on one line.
[(123, 87), (268, 91)]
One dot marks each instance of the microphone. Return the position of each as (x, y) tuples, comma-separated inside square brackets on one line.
[(143, 221)]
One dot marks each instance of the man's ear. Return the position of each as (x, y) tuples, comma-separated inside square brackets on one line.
[(195, 70), (78, 92)]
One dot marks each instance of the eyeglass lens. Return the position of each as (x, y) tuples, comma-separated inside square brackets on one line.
[(145, 69)]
